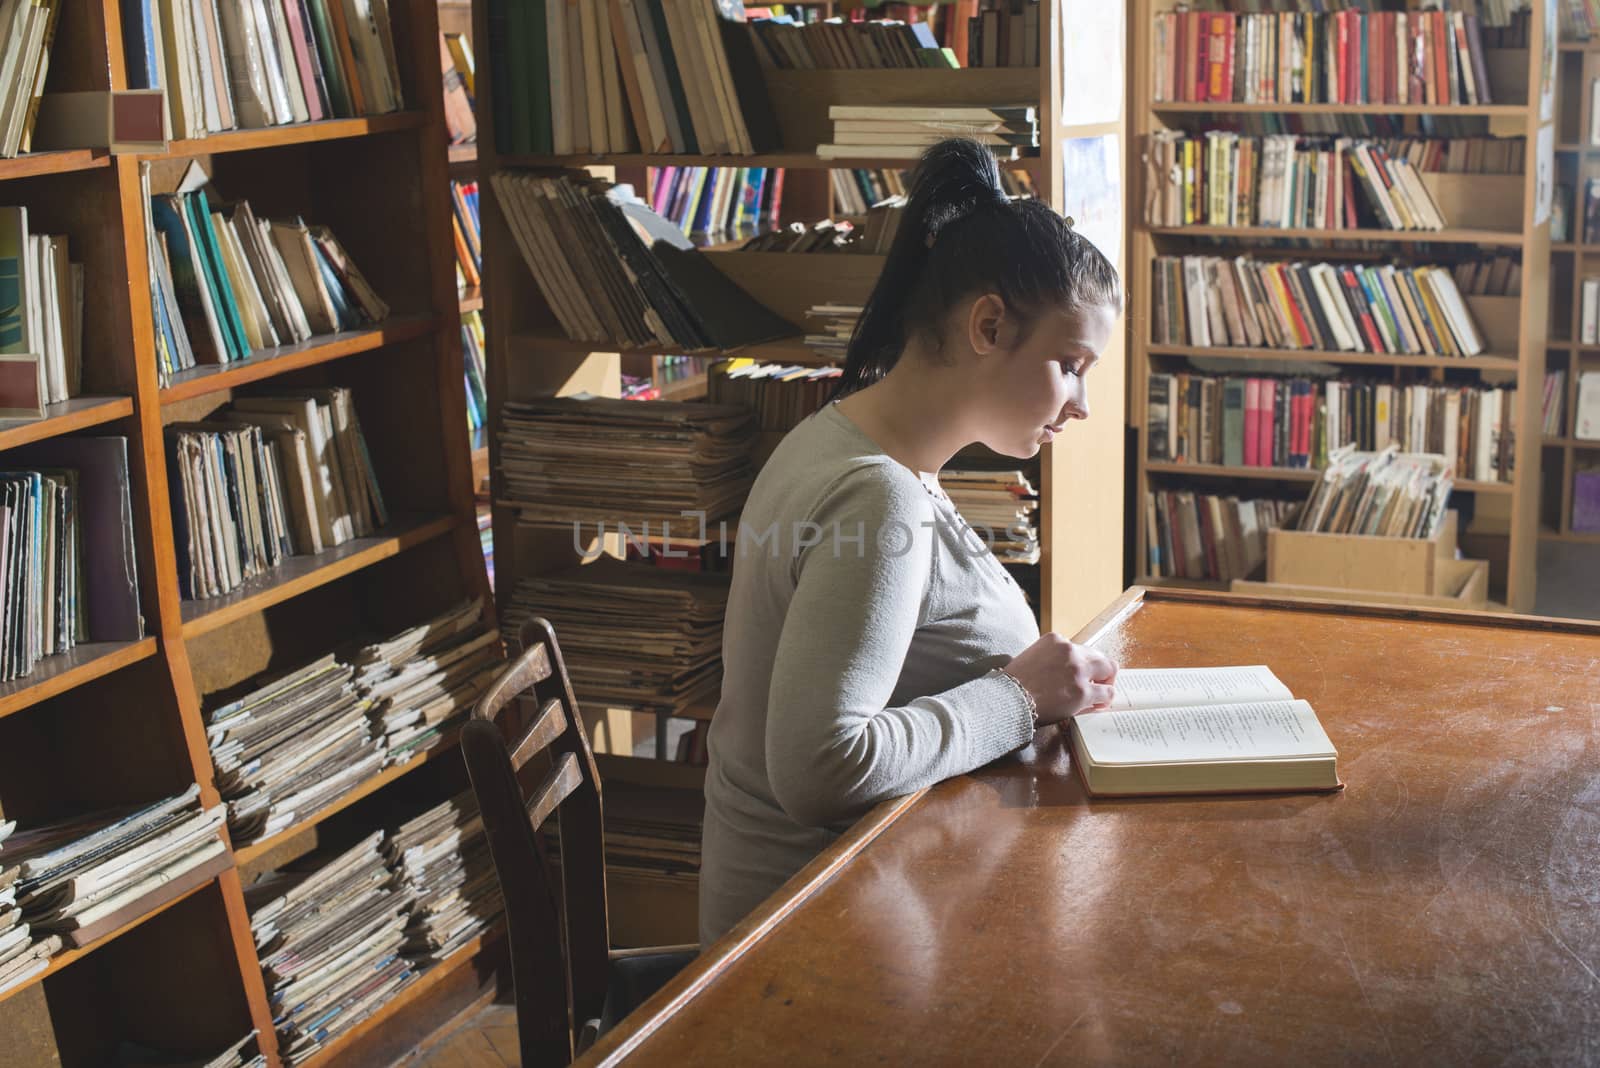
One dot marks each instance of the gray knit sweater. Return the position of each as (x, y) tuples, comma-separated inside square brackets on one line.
[(863, 632)]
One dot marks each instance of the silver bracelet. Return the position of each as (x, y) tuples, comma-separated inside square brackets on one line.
[(1033, 706)]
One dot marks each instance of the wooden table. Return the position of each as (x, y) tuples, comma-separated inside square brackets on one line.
[(1443, 909)]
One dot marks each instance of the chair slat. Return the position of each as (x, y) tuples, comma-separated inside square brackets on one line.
[(524, 672), (557, 786), (546, 728)]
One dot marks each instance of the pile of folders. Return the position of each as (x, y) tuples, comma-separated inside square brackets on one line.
[(68, 882), (268, 478), (225, 284), (291, 747)]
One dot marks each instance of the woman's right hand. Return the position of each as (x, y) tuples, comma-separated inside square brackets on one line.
[(1063, 679)]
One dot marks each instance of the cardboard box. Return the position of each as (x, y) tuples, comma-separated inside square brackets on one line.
[(1462, 584), (1361, 561)]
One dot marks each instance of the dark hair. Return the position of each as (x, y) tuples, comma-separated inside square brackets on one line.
[(961, 235)]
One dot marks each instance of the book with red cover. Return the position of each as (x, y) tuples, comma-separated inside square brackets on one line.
[(1252, 421), (1266, 431), (1358, 304)]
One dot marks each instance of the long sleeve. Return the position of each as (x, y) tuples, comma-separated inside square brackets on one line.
[(834, 746)]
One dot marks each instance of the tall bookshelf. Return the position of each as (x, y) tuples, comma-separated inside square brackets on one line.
[(1505, 515), (1082, 557), (1577, 160), (123, 723)]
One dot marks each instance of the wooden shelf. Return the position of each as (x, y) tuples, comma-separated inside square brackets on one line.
[(1564, 246), (68, 956), (365, 788), (1465, 363), (1505, 238), (787, 350), (691, 388), (467, 153), (408, 995), (69, 670), (1518, 111), (302, 133), (470, 299), (33, 164), (787, 160), (1290, 474), (76, 413), (1569, 536), (301, 573), (1576, 443), (215, 377)]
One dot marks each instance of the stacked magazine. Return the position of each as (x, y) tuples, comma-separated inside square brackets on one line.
[(442, 858), (67, 883)]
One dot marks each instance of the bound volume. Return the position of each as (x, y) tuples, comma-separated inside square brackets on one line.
[(1202, 731)]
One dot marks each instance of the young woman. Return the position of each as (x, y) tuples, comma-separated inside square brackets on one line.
[(873, 645)]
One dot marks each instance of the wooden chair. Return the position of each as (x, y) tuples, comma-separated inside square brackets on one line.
[(570, 985)]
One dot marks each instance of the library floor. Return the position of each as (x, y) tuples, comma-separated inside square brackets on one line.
[(487, 1039)]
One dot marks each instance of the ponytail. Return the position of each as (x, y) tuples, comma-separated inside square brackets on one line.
[(959, 236)]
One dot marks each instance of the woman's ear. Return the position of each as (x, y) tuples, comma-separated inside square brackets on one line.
[(988, 328)]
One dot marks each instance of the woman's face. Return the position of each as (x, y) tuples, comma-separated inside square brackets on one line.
[(1036, 385)]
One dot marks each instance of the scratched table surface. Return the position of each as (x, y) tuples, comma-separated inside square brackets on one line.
[(1443, 909)]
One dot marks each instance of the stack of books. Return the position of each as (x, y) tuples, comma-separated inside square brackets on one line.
[(896, 131), (1207, 301), (615, 272), (475, 370), (67, 562), (330, 932), (780, 395), (26, 33), (717, 204), (468, 234), (442, 860), (287, 749), (580, 460), (1004, 33), (871, 233), (272, 477), (1379, 493), (837, 44), (1555, 392), (421, 684), (663, 76), (830, 327), (245, 64), (226, 284), (1281, 180), (70, 882), (1302, 422), (1201, 536), (456, 69), (633, 635), (1002, 506), (654, 833), (1341, 57), (41, 317)]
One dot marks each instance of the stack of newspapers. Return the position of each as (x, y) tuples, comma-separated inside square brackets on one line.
[(67, 883), (442, 859)]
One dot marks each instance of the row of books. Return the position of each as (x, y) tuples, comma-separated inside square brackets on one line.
[(27, 30), (340, 932), (1586, 421), (1579, 19), (1383, 493), (1208, 537), (68, 570), (780, 395), (585, 460), (1339, 57), (1553, 405), (226, 284), (663, 75), (1004, 33), (829, 328), (268, 478), (287, 749), (717, 204), (457, 71), (1281, 180), (1235, 421), (871, 232), (41, 318), (246, 64), (838, 44), (615, 272), (467, 232), (902, 131), (1589, 311), (855, 190), (632, 635), (1206, 301), (475, 369), (66, 883)]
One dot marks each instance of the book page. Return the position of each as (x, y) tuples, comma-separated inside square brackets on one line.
[(1180, 687), (1262, 730)]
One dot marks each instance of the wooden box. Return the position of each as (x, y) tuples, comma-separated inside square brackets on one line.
[(1499, 322), (1361, 561), (1477, 201), (1461, 584)]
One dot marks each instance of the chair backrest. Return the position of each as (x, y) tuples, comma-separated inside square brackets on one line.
[(558, 935)]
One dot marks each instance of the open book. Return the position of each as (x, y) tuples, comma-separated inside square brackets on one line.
[(1202, 731)]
